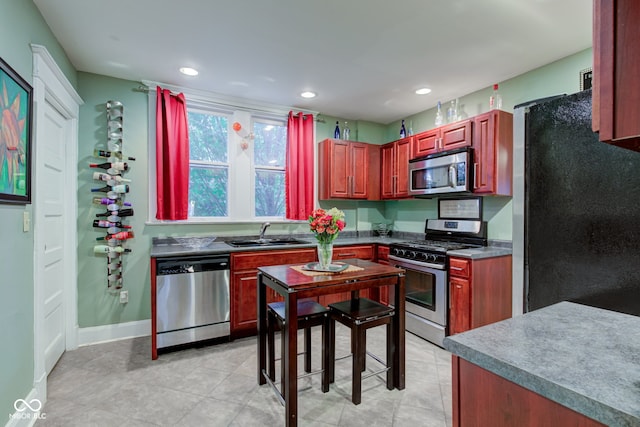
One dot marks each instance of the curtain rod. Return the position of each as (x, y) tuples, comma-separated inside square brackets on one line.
[(146, 89)]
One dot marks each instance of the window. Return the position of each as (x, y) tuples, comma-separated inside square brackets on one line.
[(208, 164), (270, 145), (227, 181)]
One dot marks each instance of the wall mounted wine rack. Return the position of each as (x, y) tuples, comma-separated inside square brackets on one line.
[(113, 192)]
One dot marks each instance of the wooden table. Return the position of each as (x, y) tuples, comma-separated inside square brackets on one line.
[(293, 285)]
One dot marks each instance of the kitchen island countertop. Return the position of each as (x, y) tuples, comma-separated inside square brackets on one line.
[(585, 358)]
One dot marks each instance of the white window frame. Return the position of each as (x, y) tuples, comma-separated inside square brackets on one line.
[(241, 162)]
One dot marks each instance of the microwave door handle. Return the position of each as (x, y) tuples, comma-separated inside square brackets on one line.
[(452, 175)]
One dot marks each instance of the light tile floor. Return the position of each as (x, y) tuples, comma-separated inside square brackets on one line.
[(117, 384)]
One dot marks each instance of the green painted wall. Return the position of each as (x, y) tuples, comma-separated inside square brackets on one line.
[(20, 25)]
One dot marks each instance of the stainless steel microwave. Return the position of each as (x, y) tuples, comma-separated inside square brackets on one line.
[(441, 173)]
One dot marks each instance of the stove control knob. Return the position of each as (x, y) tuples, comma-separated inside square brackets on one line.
[(433, 257), (413, 255)]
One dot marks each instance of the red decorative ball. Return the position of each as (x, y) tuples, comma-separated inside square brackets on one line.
[(237, 126)]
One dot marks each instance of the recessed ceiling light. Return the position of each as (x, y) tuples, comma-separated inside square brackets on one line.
[(308, 94), (423, 91), (187, 71)]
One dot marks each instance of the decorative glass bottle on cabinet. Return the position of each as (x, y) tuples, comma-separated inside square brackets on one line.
[(114, 164)]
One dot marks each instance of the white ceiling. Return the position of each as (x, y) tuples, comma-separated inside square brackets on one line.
[(364, 58)]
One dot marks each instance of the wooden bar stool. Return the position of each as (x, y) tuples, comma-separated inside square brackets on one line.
[(310, 314), (360, 314)]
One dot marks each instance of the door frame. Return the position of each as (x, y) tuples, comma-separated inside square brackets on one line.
[(50, 86)]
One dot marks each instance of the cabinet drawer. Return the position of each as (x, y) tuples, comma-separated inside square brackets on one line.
[(251, 260), (460, 267), (362, 252)]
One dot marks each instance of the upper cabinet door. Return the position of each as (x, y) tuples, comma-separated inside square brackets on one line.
[(402, 156), (359, 153), (493, 153), (426, 143), (337, 168), (455, 135), (387, 159), (616, 68)]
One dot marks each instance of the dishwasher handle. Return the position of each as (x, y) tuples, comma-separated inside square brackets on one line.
[(182, 265)]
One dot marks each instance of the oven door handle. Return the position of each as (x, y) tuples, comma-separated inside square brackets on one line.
[(416, 263)]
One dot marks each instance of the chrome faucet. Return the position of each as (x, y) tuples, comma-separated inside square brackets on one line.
[(263, 229)]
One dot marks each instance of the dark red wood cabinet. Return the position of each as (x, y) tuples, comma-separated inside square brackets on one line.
[(482, 398), (244, 280), (348, 170), (616, 67), (443, 138), (394, 158), (480, 292), (493, 153)]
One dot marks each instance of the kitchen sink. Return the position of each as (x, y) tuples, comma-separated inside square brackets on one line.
[(265, 242)]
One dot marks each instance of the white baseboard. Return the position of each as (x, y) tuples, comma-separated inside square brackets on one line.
[(35, 399), (118, 331)]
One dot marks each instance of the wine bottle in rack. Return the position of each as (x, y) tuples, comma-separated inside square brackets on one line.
[(120, 188), (118, 166), (100, 223), (120, 235), (112, 205), (109, 179), (108, 154), (104, 249), (120, 213)]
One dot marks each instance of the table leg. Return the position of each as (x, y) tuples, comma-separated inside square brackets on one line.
[(399, 335), (262, 328), (290, 359)]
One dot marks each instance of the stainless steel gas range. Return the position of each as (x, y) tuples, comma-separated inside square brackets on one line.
[(426, 280)]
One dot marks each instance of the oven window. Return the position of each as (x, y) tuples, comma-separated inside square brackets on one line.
[(420, 288)]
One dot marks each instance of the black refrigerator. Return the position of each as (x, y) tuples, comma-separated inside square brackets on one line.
[(577, 211)]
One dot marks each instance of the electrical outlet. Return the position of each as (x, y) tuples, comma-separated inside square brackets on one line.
[(124, 297)]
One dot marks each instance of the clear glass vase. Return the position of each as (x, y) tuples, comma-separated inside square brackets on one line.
[(325, 254)]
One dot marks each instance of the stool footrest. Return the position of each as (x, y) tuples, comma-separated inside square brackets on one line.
[(371, 374), (273, 387)]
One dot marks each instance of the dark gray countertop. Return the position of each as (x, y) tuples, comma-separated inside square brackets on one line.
[(160, 248), (166, 247), (585, 358)]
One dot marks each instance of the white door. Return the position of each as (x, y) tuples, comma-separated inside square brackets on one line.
[(51, 190), (55, 129)]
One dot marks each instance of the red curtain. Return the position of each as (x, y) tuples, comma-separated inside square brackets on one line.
[(172, 156), (299, 172)]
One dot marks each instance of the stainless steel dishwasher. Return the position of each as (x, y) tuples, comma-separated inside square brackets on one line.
[(192, 299)]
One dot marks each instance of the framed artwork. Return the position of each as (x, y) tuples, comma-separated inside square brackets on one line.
[(15, 136)]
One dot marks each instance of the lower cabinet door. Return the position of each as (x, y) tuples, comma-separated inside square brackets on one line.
[(460, 313)]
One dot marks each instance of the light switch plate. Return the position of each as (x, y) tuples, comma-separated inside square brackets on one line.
[(26, 221), (124, 297)]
